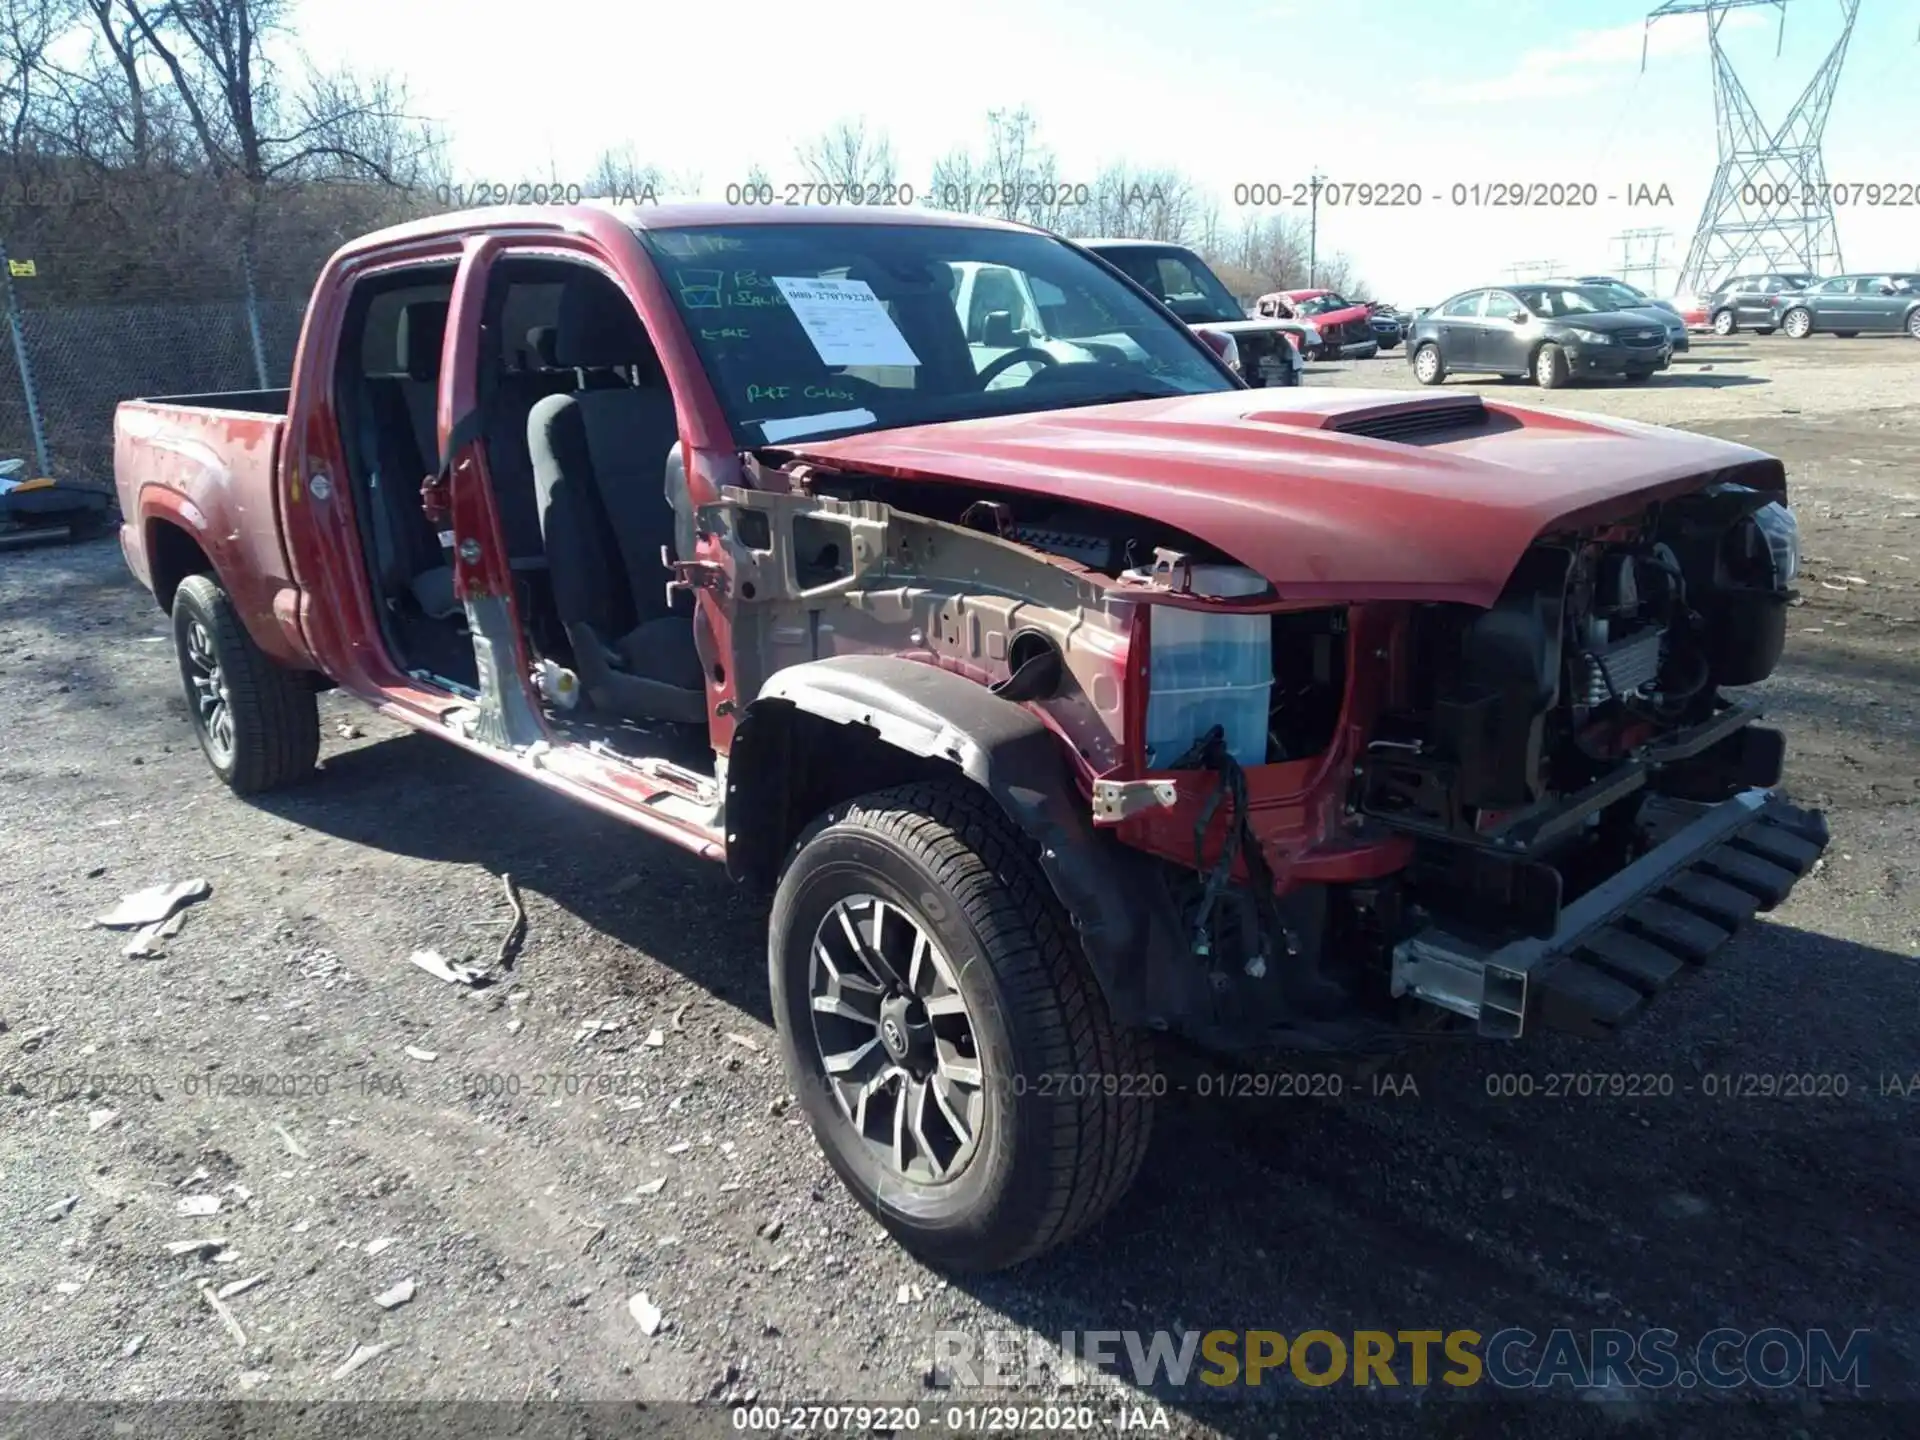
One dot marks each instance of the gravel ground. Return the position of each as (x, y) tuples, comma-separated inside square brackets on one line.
[(274, 1057)]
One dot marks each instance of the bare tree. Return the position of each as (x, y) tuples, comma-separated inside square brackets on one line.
[(1143, 205), (1016, 177), (218, 55), (619, 175), (847, 159)]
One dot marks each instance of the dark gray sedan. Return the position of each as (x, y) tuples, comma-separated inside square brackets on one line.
[(1849, 305), (1748, 300), (1552, 333)]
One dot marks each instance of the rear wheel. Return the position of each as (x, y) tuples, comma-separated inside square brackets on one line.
[(1428, 367), (946, 1038), (1550, 370), (258, 725), (1797, 323), (1724, 323)]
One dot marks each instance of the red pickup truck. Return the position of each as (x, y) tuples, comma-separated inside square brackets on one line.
[(1119, 702), (1345, 326)]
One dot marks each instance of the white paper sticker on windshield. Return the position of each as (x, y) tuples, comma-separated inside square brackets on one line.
[(846, 322), (787, 428)]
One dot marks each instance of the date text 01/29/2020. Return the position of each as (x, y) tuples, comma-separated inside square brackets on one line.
[(1461, 194)]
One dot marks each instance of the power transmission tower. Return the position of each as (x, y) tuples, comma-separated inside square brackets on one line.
[(1629, 242), (1521, 271), (1769, 208)]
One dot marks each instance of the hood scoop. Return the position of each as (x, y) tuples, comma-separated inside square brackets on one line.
[(1417, 422)]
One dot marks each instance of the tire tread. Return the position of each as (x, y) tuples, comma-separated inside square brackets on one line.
[(276, 717)]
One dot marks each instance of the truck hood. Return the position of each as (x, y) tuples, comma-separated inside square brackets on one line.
[(1288, 487)]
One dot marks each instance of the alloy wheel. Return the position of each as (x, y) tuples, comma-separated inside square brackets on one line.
[(213, 710), (1723, 323), (1426, 364), (896, 1039), (1799, 324)]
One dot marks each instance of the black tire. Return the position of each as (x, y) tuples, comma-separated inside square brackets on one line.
[(1550, 370), (271, 735), (1763, 329), (1433, 374), (1724, 323), (1638, 377), (1798, 319), (1051, 1155), (1846, 334)]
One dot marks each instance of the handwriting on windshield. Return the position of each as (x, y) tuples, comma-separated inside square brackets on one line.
[(757, 393), (679, 242)]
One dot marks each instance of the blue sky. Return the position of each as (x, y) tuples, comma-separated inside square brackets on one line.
[(1235, 91)]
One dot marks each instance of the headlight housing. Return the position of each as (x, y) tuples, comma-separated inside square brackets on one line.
[(1776, 522), (1590, 337)]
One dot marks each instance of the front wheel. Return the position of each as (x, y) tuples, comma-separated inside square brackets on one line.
[(1913, 324), (1428, 367), (944, 1034), (1724, 323), (1550, 370), (1637, 377), (258, 725), (1798, 324)]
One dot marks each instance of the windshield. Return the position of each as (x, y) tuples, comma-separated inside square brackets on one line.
[(1179, 278), (1321, 304), (1549, 304), (817, 329)]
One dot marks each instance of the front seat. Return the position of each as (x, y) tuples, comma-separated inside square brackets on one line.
[(598, 457)]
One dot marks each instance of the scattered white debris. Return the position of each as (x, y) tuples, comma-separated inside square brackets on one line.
[(69, 1287), (294, 1147), (300, 1227), (347, 730), (60, 1209), (133, 1347), (394, 1298), (904, 1296), (154, 904), (194, 1179), (656, 1037), (677, 1014), (240, 1192), (651, 1187), (374, 1247), (149, 937), (226, 1315), (513, 1026), (239, 1287), (100, 1119), (646, 1313), (679, 1147), (415, 1052), (438, 966), (31, 1040), (362, 1355), (194, 1247), (253, 1379), (746, 1042), (197, 1205)]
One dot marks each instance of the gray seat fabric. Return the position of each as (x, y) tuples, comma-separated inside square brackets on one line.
[(598, 458)]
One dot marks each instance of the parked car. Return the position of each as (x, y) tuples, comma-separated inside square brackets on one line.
[(1264, 351), (1849, 305), (1387, 326), (1553, 333), (1632, 300), (743, 547), (1346, 327), (1747, 300)]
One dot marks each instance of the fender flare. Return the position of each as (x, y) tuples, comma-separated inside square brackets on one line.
[(935, 715)]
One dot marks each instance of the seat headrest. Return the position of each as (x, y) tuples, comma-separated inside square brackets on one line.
[(541, 340), (423, 328), (598, 326)]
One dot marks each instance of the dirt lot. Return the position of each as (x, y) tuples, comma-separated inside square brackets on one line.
[(651, 1147)]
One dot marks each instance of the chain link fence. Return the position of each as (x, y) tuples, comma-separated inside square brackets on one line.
[(81, 360)]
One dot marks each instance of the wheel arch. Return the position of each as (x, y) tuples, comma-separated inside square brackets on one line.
[(824, 731), (172, 555)]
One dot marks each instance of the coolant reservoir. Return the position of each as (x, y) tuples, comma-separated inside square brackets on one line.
[(1205, 670)]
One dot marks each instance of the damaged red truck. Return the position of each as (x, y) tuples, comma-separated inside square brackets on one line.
[(1066, 712)]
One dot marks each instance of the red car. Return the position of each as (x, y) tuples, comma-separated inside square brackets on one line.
[(1056, 712), (1345, 326)]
